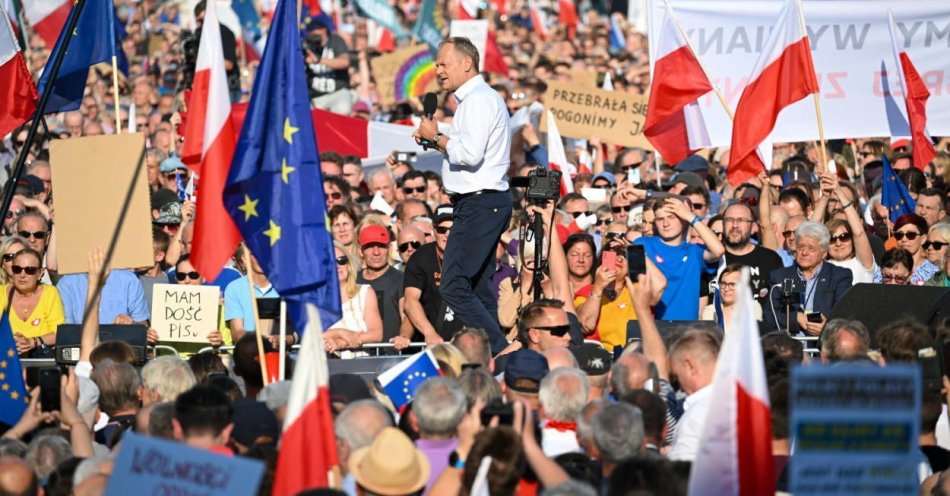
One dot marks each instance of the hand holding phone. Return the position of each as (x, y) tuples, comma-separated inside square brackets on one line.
[(813, 317), (636, 261), (609, 260), (49, 382)]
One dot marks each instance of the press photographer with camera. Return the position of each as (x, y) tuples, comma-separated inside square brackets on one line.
[(477, 149), (328, 62)]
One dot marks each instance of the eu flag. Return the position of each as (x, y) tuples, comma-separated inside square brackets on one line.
[(95, 39), (13, 397), (274, 190), (401, 381), (894, 194)]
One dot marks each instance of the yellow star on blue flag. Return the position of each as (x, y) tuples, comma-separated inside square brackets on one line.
[(11, 379), (894, 195)]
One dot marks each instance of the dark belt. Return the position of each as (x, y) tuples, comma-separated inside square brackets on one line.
[(457, 197)]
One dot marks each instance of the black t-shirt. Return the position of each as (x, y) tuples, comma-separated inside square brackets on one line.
[(761, 262), (938, 457), (229, 45), (388, 288), (324, 80), (424, 271)]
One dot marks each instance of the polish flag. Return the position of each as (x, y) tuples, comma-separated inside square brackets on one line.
[(11, 11), (47, 17), (735, 454), (783, 75), (674, 125), (539, 19), (17, 92), (308, 456), (379, 37), (915, 100), (210, 139), (557, 157), (467, 10), (494, 62), (567, 16)]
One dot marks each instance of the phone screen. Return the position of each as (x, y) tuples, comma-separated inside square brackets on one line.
[(609, 260), (49, 388), (636, 261)]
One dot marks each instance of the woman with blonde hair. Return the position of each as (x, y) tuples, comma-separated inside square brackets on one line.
[(361, 322), (450, 359), (9, 248)]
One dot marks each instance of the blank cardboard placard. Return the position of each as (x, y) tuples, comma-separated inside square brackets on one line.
[(91, 178), (184, 314)]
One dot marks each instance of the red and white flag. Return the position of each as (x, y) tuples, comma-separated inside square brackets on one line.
[(567, 16), (379, 37), (47, 17), (557, 157), (783, 75), (915, 100), (210, 139), (494, 61), (308, 446), (674, 124), (17, 92), (467, 10), (539, 19), (735, 454)]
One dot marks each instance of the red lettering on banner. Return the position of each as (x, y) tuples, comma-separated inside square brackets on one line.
[(934, 82)]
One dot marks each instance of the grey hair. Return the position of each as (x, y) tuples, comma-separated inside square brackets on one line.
[(439, 404), (12, 447), (90, 467), (814, 230), (942, 229), (32, 213), (563, 394), (477, 350), (618, 432), (275, 395), (45, 452), (478, 384), (354, 427), (830, 348), (380, 171), (168, 376), (157, 154), (584, 421), (160, 420), (464, 47), (570, 487)]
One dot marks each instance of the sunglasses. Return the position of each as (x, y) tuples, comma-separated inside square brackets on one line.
[(626, 168), (181, 276), (615, 235), (937, 245), (342, 260), (603, 222), (910, 235), (625, 208), (417, 189), (442, 229), (578, 214), (897, 279), (699, 206), (404, 247), (8, 257), (171, 175), (556, 331), (34, 234), (336, 195), (17, 213), (843, 237), (788, 234), (718, 234), (752, 201), (30, 271)]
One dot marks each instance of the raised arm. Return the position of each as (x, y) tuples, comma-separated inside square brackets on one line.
[(90, 327), (653, 346), (766, 230)]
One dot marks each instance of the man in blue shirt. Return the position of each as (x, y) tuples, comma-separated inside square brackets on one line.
[(238, 312), (122, 301)]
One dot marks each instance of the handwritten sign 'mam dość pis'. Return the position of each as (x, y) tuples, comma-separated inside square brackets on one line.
[(183, 313)]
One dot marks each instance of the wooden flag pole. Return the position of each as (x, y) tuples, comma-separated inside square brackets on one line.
[(257, 320), (115, 90), (821, 126)]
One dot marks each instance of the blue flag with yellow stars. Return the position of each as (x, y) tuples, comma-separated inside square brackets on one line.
[(96, 39), (274, 190), (894, 194), (13, 397)]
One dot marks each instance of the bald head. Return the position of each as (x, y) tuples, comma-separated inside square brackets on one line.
[(358, 424), (17, 478), (559, 356), (629, 372)]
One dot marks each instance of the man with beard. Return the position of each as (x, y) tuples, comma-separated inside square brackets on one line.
[(738, 225)]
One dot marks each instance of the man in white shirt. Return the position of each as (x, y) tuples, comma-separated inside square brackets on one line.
[(693, 362), (476, 150)]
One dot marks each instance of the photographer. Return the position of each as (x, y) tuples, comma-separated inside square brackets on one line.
[(328, 63)]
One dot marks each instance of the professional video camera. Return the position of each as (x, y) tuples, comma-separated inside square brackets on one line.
[(541, 185), (314, 42)]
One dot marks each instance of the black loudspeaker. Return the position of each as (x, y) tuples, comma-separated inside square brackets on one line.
[(877, 305)]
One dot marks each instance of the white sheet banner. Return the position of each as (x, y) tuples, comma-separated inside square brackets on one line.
[(854, 61)]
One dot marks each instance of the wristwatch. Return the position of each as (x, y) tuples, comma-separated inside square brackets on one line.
[(437, 137), (455, 461), (695, 220)]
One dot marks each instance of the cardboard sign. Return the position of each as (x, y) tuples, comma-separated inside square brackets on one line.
[(586, 78), (855, 429), (584, 112), (477, 32), (147, 465), (404, 74), (93, 176), (184, 314)]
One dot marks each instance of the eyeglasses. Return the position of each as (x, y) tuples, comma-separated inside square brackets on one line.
[(699, 206), (894, 278), (936, 245), (8, 257), (30, 271), (910, 235), (17, 213), (404, 247), (418, 189), (181, 276), (843, 237), (788, 234), (626, 168), (625, 208), (727, 285), (442, 229), (752, 201), (556, 331), (736, 220), (603, 222), (171, 175), (614, 235), (578, 214), (718, 234), (342, 260), (34, 234), (336, 195)]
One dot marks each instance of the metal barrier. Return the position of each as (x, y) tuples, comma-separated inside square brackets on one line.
[(369, 347), (815, 348)]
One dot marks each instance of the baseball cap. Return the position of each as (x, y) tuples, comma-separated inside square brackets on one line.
[(592, 359), (33, 184), (172, 164), (524, 371), (608, 176), (443, 213), (346, 388), (689, 179), (169, 213), (692, 163), (163, 196), (374, 234), (252, 421)]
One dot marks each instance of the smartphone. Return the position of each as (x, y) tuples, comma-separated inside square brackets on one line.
[(609, 259), (408, 157), (49, 382), (636, 261), (813, 317), (633, 176), (497, 408)]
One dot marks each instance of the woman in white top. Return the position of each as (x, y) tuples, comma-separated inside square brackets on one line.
[(849, 247), (361, 322), (938, 237), (722, 312)]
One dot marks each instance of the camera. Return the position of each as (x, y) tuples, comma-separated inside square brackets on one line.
[(791, 286), (542, 185), (314, 43)]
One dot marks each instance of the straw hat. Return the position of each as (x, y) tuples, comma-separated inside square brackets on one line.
[(391, 465)]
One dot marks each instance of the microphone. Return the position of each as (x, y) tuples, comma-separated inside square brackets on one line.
[(430, 102)]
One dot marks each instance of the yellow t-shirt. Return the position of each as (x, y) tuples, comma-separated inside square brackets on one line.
[(47, 315), (614, 315)]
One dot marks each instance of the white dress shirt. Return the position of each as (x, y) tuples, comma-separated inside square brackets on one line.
[(690, 427), (479, 147)]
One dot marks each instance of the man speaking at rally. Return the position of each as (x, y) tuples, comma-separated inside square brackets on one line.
[(474, 172)]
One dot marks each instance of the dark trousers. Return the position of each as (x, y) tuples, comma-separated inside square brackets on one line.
[(469, 262)]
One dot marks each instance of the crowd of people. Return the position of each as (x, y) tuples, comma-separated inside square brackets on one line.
[(540, 369)]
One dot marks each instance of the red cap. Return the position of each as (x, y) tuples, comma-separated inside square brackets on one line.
[(374, 234), (900, 143)]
